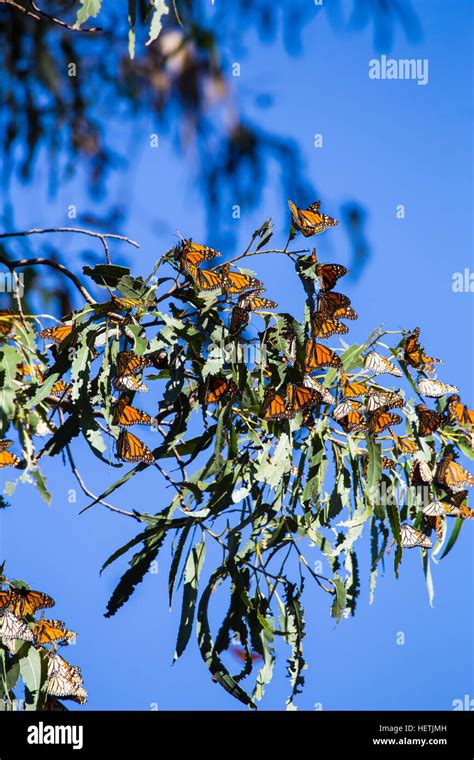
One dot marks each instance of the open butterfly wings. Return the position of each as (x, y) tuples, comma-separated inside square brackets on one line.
[(310, 221), (132, 449)]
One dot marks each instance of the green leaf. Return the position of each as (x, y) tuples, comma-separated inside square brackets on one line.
[(33, 673), (453, 537), (106, 275), (208, 650), (192, 572), (89, 9), (160, 9)]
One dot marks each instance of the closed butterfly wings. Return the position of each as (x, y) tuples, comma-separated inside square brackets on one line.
[(127, 366), (7, 459), (13, 629), (126, 415), (65, 680), (132, 449)]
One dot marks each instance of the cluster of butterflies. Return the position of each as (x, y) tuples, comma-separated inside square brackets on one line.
[(18, 606), (361, 406)]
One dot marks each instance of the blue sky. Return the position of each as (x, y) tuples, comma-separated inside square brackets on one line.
[(385, 143)]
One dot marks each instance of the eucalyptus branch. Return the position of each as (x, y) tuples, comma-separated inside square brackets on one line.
[(54, 265), (39, 15)]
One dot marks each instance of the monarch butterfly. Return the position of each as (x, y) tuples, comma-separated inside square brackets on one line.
[(354, 422), (128, 363), (251, 301), (380, 365), (375, 399), (131, 449), (275, 407), (458, 412), (327, 274), (331, 303), (349, 417), (323, 326), (310, 221), (343, 409), (60, 389), (25, 369), (126, 415), (449, 473), (129, 383), (433, 388), (354, 389), (326, 396), (22, 601), (239, 319), (126, 304), (457, 507), (7, 322), (404, 444), (346, 312), (381, 419), (57, 334), (195, 254), (218, 387), (385, 463), (7, 459), (240, 654), (301, 397), (410, 537), (12, 629), (65, 680), (421, 473), (414, 354), (428, 420), (47, 631), (205, 280), (235, 282), (434, 508), (318, 355)]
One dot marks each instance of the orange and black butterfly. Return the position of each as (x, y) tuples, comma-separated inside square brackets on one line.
[(382, 419), (457, 506), (235, 282), (310, 221), (252, 301), (354, 388), (205, 280), (131, 449), (48, 631), (127, 304), (330, 303), (127, 365), (22, 601), (65, 680), (317, 356), (240, 654), (451, 475), (414, 353), (428, 420), (276, 407), (195, 254), (126, 415), (327, 274), (312, 384), (7, 322), (404, 444), (345, 312), (7, 459), (57, 334), (385, 463), (323, 326), (349, 416), (380, 365), (302, 398), (61, 389), (458, 412), (218, 387), (376, 398)]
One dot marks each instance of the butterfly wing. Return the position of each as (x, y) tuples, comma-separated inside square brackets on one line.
[(57, 334), (330, 303), (324, 327), (410, 537), (275, 407), (126, 415), (433, 388), (132, 449), (317, 356)]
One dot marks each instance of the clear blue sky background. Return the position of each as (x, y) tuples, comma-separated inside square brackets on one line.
[(385, 143)]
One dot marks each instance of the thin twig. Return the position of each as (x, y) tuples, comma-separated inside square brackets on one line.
[(39, 15), (55, 265)]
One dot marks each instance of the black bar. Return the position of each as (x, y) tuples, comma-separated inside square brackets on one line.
[(253, 735)]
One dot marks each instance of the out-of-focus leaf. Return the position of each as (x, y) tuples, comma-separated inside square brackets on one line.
[(192, 572)]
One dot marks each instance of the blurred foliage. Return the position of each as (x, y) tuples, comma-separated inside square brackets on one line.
[(263, 504), (65, 89)]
